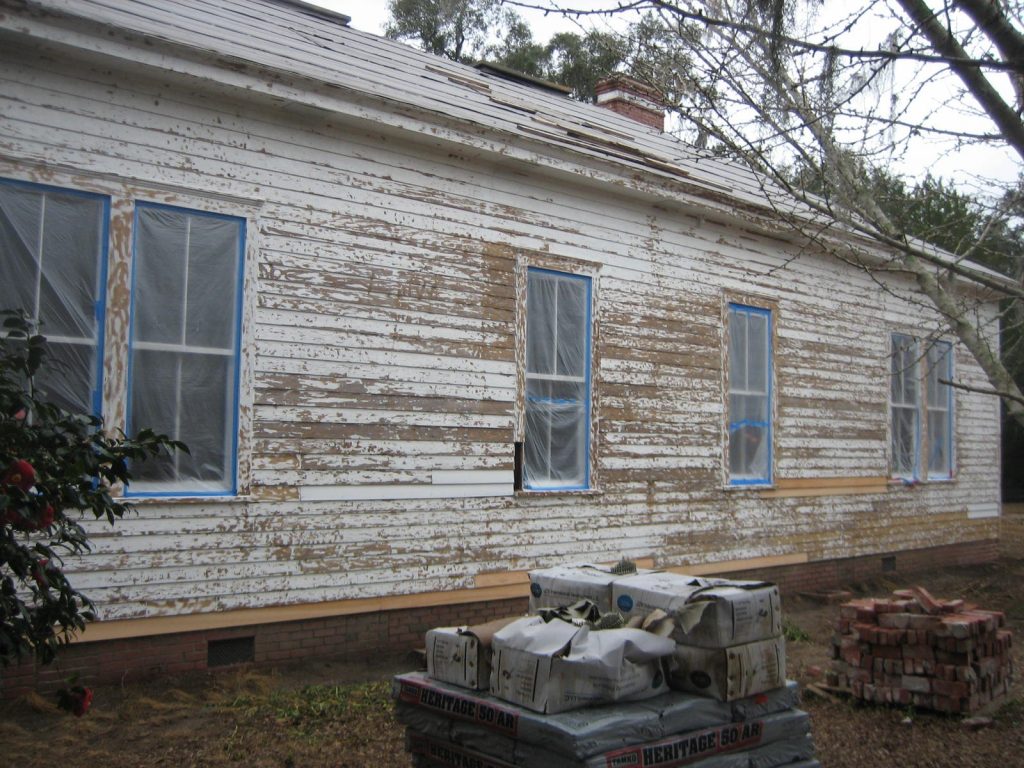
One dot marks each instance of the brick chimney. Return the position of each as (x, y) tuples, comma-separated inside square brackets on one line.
[(633, 99)]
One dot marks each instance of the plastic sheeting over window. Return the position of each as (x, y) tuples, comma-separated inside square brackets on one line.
[(184, 346), (749, 395), (557, 439), (903, 406), (940, 410), (52, 252)]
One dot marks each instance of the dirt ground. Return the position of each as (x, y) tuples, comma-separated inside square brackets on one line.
[(338, 714)]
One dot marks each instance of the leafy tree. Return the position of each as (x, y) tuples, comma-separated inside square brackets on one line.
[(456, 29), (579, 62), (54, 467)]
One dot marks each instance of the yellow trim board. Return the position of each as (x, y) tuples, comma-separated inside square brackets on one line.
[(491, 586), (503, 578), (799, 487), (731, 566), (197, 622)]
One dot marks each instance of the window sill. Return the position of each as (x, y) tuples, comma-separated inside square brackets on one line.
[(526, 493), (770, 486), (900, 482), (149, 501)]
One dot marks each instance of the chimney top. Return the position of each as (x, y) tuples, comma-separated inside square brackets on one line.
[(633, 99)]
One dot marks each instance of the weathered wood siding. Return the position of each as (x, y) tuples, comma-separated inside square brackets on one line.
[(381, 321)]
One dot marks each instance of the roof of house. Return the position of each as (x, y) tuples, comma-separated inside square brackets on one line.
[(293, 38)]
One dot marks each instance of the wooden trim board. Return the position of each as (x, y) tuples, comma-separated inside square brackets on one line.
[(490, 586), (798, 487)]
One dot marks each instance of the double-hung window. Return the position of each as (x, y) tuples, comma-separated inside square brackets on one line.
[(557, 397), (750, 395), (184, 346), (53, 247), (921, 404)]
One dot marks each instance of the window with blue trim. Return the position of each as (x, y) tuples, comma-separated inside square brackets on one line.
[(53, 248), (750, 395), (557, 403), (921, 405), (184, 346)]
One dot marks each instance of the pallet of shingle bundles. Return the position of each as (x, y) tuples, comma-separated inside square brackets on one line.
[(455, 727)]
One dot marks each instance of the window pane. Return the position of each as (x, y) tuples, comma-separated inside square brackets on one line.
[(21, 213), (158, 303), (938, 444), (68, 375), (184, 346), (904, 441), (212, 282), (572, 328), (71, 269), (541, 293), (757, 353), (737, 350)]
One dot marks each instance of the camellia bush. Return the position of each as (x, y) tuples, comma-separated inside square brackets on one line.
[(55, 468)]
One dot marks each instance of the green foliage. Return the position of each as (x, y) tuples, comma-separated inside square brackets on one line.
[(310, 707), (455, 29), (793, 633), (54, 467), (472, 30)]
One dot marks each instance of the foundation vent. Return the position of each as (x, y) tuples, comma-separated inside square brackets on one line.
[(236, 650)]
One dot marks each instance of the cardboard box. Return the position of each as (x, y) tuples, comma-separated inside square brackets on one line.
[(462, 655), (564, 585), (730, 673), (558, 666), (709, 613)]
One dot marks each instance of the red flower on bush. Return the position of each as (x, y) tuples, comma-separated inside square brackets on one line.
[(39, 572), (20, 474), (45, 519), (75, 700)]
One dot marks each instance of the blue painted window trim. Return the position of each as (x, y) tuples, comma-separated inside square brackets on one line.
[(100, 308), (232, 490), (588, 280), (735, 309)]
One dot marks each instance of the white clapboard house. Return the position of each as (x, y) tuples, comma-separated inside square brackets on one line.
[(427, 326)]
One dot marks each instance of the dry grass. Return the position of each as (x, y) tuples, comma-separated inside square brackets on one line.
[(339, 714)]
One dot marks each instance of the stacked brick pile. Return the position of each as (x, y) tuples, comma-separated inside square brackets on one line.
[(943, 655)]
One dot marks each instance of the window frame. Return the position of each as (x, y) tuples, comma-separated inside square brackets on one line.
[(232, 460), (578, 269), (769, 310), (100, 298), (922, 471)]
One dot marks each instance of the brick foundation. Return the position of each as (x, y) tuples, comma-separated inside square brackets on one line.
[(135, 659)]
